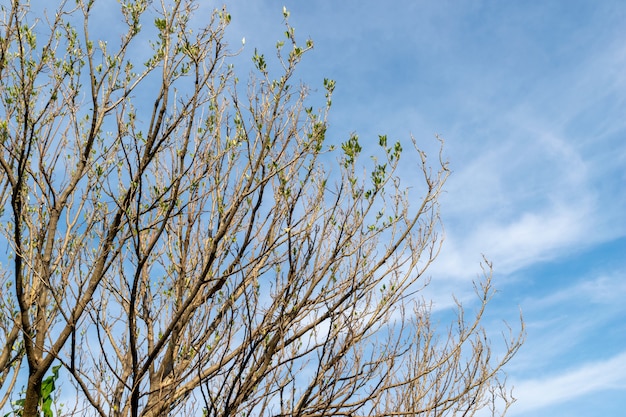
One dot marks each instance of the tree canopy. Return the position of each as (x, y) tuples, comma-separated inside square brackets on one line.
[(180, 242)]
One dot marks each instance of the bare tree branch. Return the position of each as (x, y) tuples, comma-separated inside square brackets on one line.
[(182, 243)]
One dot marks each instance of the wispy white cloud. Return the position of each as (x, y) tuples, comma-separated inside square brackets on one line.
[(572, 323), (532, 237), (534, 394), (513, 243), (605, 289)]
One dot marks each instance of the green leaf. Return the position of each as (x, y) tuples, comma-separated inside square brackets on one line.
[(259, 61), (351, 149), (47, 387), (160, 24)]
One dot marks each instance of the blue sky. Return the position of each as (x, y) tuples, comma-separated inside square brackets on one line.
[(531, 100), (530, 97)]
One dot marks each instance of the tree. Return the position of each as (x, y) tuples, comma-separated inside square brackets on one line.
[(179, 243)]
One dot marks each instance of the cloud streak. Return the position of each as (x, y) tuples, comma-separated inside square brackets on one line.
[(535, 394)]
